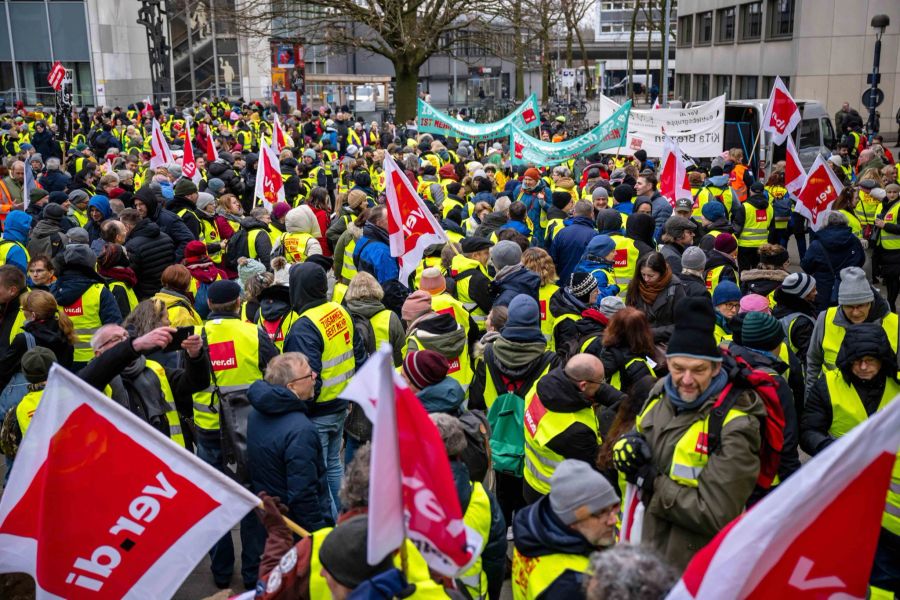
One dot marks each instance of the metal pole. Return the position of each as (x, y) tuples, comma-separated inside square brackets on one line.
[(875, 67), (664, 70)]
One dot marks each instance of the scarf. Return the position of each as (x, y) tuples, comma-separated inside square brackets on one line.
[(649, 291), (123, 274), (715, 387), (204, 272)]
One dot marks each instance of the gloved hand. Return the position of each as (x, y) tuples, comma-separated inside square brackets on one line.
[(643, 478), (630, 453), (271, 511)]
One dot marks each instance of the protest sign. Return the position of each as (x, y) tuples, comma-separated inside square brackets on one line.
[(431, 120)]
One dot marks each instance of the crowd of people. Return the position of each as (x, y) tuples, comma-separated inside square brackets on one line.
[(571, 337)]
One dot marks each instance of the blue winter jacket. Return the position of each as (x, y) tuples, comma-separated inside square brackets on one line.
[(535, 200), (568, 245), (834, 248), (445, 396), (101, 203), (284, 454), (603, 273), (16, 228), (518, 226), (512, 281), (372, 254)]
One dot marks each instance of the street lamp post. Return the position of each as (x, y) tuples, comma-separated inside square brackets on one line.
[(880, 23)]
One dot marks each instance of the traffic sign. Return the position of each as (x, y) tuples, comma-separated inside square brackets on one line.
[(56, 76), (879, 97)]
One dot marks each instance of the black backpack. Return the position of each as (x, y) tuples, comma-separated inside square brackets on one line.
[(238, 246)]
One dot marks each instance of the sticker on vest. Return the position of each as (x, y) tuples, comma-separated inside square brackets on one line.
[(222, 356), (533, 415), (702, 446), (454, 366), (292, 247), (543, 307), (761, 215), (447, 311), (275, 334), (889, 216), (334, 323), (76, 309), (621, 258)]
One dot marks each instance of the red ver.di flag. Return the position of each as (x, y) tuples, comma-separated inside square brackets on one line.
[(411, 226), (269, 185), (782, 113), (101, 505), (188, 163), (814, 536), (819, 192), (794, 174), (412, 492), (160, 154), (673, 179)]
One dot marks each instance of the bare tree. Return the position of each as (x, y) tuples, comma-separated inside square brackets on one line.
[(406, 32), (574, 12), (630, 54)]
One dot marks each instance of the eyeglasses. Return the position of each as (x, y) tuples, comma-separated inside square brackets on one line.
[(113, 340), (311, 374)]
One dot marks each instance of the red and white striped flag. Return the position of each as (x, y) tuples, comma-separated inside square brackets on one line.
[(411, 226), (211, 153), (101, 505), (411, 481), (819, 192), (794, 173), (160, 154), (280, 140), (782, 113), (673, 179), (269, 185), (815, 535)]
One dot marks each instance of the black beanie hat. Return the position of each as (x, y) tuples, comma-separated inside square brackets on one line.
[(561, 199), (623, 193), (343, 553), (694, 335)]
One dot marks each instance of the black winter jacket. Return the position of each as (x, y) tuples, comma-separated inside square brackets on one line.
[(150, 251)]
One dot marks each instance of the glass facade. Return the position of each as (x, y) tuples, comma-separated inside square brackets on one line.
[(42, 32)]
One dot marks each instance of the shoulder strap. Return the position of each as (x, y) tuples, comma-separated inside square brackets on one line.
[(716, 420), (29, 340), (217, 393), (465, 273)]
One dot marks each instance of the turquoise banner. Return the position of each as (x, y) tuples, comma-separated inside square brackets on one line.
[(431, 120), (610, 134)]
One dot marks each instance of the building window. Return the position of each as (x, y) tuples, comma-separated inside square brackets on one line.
[(725, 22), (701, 88), (704, 28), (723, 85), (685, 31), (781, 18), (809, 134), (751, 21), (768, 82), (746, 87), (683, 86)]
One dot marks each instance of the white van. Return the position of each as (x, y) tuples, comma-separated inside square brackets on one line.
[(814, 135)]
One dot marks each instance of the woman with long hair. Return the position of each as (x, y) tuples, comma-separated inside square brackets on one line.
[(147, 316), (229, 213), (627, 346), (846, 205), (113, 264), (656, 292), (771, 271), (538, 261), (175, 293), (47, 324)]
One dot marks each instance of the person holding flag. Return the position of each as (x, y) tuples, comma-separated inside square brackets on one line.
[(689, 490)]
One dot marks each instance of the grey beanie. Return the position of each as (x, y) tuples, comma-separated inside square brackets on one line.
[(855, 288), (215, 185), (599, 192), (693, 258), (174, 170), (505, 253), (611, 305), (78, 235), (577, 491), (204, 199)]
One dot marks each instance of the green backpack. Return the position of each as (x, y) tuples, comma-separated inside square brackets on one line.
[(506, 418)]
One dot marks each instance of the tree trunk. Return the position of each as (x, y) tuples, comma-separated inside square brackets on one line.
[(519, 49), (569, 44), (405, 93), (630, 57), (647, 65), (588, 80), (547, 63)]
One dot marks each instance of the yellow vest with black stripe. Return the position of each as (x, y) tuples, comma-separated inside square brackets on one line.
[(777, 192), (171, 413), (6, 247), (85, 315), (833, 336), (490, 387), (691, 452), (531, 576), (714, 275), (887, 240), (334, 324), (554, 226), (547, 319), (756, 226), (624, 262), (847, 411), (294, 244), (541, 426), (616, 379), (463, 268), (444, 303), (478, 518), (210, 234), (234, 353), (129, 293), (460, 368)]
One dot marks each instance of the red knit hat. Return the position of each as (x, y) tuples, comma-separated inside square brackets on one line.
[(448, 172), (425, 367), (532, 173), (725, 243), (194, 249), (280, 209)]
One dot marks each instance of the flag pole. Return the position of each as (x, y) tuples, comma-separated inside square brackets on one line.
[(404, 558), (753, 149)]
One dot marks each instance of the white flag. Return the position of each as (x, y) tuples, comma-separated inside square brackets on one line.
[(160, 154), (794, 173), (782, 113)]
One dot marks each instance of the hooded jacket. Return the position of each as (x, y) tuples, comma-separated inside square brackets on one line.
[(739, 213), (680, 520), (368, 308), (150, 252), (818, 414), (168, 222), (445, 396), (723, 225), (47, 237), (309, 289), (802, 328), (834, 248), (714, 259), (815, 356), (568, 245), (640, 229), (372, 254), (284, 454), (190, 218), (519, 362), (536, 200), (75, 274), (438, 332), (101, 203), (661, 313), (513, 280), (761, 281), (660, 210), (15, 229), (537, 531), (301, 219)]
